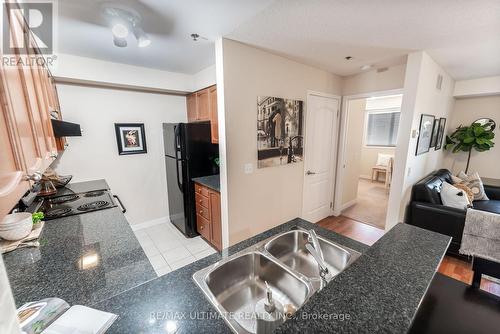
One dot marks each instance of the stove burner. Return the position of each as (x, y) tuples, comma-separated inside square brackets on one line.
[(58, 211), (64, 199), (94, 193), (93, 205)]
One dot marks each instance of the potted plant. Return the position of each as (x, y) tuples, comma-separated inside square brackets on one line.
[(477, 136)]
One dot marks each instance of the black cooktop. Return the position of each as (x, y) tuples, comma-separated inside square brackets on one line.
[(77, 203)]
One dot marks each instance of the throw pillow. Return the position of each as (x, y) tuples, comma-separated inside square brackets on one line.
[(454, 197), (383, 159), (456, 179), (473, 181), (467, 190)]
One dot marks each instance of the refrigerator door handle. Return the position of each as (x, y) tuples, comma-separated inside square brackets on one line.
[(177, 147)]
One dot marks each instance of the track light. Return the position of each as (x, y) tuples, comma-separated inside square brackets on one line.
[(120, 30), (120, 42), (142, 39), (123, 20)]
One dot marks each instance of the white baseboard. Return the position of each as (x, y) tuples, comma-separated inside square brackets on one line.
[(149, 223), (349, 204)]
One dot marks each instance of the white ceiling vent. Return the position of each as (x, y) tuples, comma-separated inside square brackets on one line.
[(439, 81)]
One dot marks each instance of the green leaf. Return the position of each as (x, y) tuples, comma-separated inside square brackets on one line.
[(469, 140)]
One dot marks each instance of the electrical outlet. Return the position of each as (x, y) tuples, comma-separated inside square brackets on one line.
[(248, 168), (409, 172)]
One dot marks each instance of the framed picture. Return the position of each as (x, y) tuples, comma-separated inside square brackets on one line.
[(435, 129), (130, 138), (439, 141), (279, 131), (425, 134)]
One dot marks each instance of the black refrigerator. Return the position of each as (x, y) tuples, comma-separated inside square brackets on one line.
[(189, 153)]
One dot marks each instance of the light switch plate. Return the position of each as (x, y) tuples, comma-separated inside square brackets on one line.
[(248, 168)]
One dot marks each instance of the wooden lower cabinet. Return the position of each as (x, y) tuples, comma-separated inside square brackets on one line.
[(208, 215)]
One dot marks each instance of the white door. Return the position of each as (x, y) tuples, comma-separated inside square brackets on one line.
[(320, 149)]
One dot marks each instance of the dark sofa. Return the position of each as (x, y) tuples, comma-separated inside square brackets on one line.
[(427, 211)]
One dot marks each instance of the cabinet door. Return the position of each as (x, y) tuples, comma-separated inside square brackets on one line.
[(214, 120), (203, 227), (17, 103), (216, 223), (13, 183), (191, 107), (203, 106)]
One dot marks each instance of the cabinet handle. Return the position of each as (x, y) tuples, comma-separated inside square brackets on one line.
[(35, 177)]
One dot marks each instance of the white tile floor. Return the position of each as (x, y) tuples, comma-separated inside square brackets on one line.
[(168, 249)]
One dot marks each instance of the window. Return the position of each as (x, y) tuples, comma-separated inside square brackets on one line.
[(382, 128)]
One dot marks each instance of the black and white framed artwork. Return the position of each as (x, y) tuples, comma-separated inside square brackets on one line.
[(425, 134), (279, 131)]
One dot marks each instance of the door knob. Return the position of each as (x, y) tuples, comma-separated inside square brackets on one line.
[(310, 173)]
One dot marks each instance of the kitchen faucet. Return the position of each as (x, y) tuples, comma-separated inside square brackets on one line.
[(314, 248)]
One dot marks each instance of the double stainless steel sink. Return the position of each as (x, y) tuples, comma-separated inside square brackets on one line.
[(282, 263)]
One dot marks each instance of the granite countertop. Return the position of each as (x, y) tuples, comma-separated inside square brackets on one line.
[(212, 181), (114, 260), (380, 292)]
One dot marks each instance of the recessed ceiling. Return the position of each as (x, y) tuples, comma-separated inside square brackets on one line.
[(463, 36), (84, 31)]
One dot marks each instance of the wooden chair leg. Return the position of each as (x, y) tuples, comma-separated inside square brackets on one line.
[(476, 280)]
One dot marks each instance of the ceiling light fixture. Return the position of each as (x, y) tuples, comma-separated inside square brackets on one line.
[(366, 67), (142, 39), (123, 20)]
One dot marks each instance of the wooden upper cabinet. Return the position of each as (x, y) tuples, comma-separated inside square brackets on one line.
[(23, 120), (203, 105), (13, 183), (214, 120), (192, 113)]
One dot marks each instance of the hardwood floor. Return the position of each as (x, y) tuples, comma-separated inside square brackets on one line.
[(367, 234)]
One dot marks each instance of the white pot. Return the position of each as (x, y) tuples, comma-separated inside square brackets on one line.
[(16, 226)]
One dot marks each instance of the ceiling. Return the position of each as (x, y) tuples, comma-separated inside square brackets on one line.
[(84, 31), (461, 35)]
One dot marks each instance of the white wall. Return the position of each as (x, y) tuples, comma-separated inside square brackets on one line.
[(420, 97), (204, 78), (372, 81), (83, 68), (477, 87), (465, 112), (353, 156), (269, 196), (139, 180)]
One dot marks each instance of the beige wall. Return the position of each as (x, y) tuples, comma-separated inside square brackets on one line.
[(465, 112), (420, 97), (372, 81), (269, 196), (355, 118)]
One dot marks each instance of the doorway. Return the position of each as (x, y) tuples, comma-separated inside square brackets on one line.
[(320, 155), (369, 131)]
